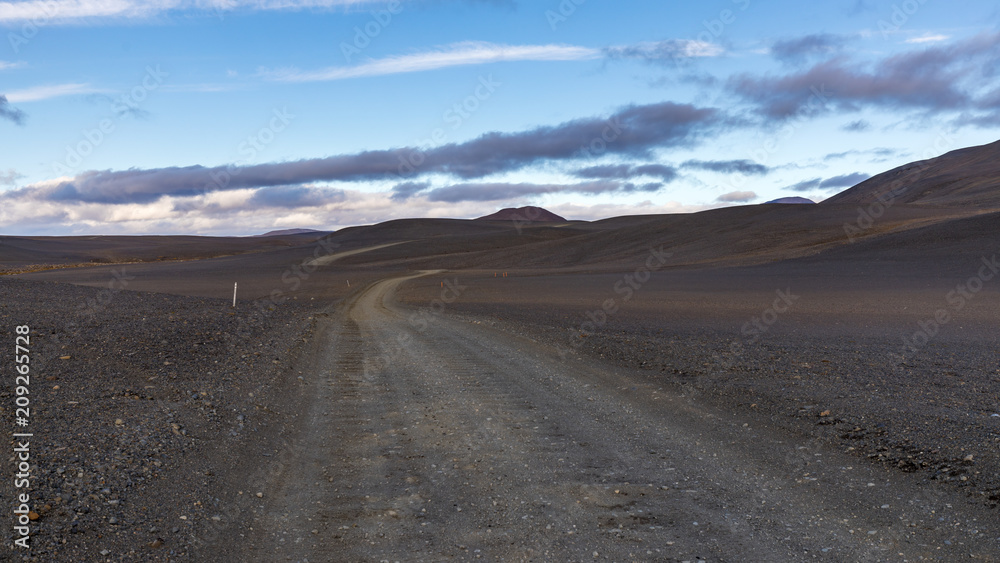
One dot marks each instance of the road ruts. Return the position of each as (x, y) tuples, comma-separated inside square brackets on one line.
[(448, 440)]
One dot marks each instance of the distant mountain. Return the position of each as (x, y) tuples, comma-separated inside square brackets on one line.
[(968, 177), (285, 232), (524, 214), (794, 199)]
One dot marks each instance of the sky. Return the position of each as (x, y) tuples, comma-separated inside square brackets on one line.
[(237, 117)]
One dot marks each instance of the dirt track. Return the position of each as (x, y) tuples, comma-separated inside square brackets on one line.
[(426, 438)]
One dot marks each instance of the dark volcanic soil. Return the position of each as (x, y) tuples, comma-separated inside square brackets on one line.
[(142, 404)]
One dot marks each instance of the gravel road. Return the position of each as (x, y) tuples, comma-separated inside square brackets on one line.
[(429, 438)]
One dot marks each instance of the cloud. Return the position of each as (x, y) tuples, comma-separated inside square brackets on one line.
[(881, 152), (857, 126), (928, 39), (632, 131), (806, 185), (295, 196), (10, 177), (628, 171), (663, 52), (807, 47), (10, 113), (38, 93), (406, 190), (70, 11), (457, 54), (842, 181), (736, 197), (5, 65), (506, 191), (934, 79), (728, 166)]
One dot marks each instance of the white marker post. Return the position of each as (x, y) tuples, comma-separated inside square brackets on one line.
[(234, 293)]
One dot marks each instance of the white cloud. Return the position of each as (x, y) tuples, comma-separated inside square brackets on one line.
[(68, 11), (37, 93), (736, 197), (458, 54), (928, 39), (6, 65)]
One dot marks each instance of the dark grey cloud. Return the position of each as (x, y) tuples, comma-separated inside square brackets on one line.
[(616, 171), (406, 190), (857, 126), (807, 47), (634, 131), (728, 166), (661, 171), (10, 113), (736, 197), (295, 196), (805, 185), (627, 171), (934, 79), (497, 191), (842, 181)]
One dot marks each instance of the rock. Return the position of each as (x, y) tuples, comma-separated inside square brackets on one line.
[(119, 422), (64, 357), (33, 515), (825, 413), (156, 543)]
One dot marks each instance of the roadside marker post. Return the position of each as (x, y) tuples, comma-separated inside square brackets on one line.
[(234, 293)]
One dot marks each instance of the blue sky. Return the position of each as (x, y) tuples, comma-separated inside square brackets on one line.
[(236, 117)]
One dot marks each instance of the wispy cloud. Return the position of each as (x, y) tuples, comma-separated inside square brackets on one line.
[(10, 177), (928, 39), (665, 51), (69, 11), (10, 113), (7, 65), (457, 54), (37, 93)]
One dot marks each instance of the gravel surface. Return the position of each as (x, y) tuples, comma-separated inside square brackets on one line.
[(142, 404), (829, 368)]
